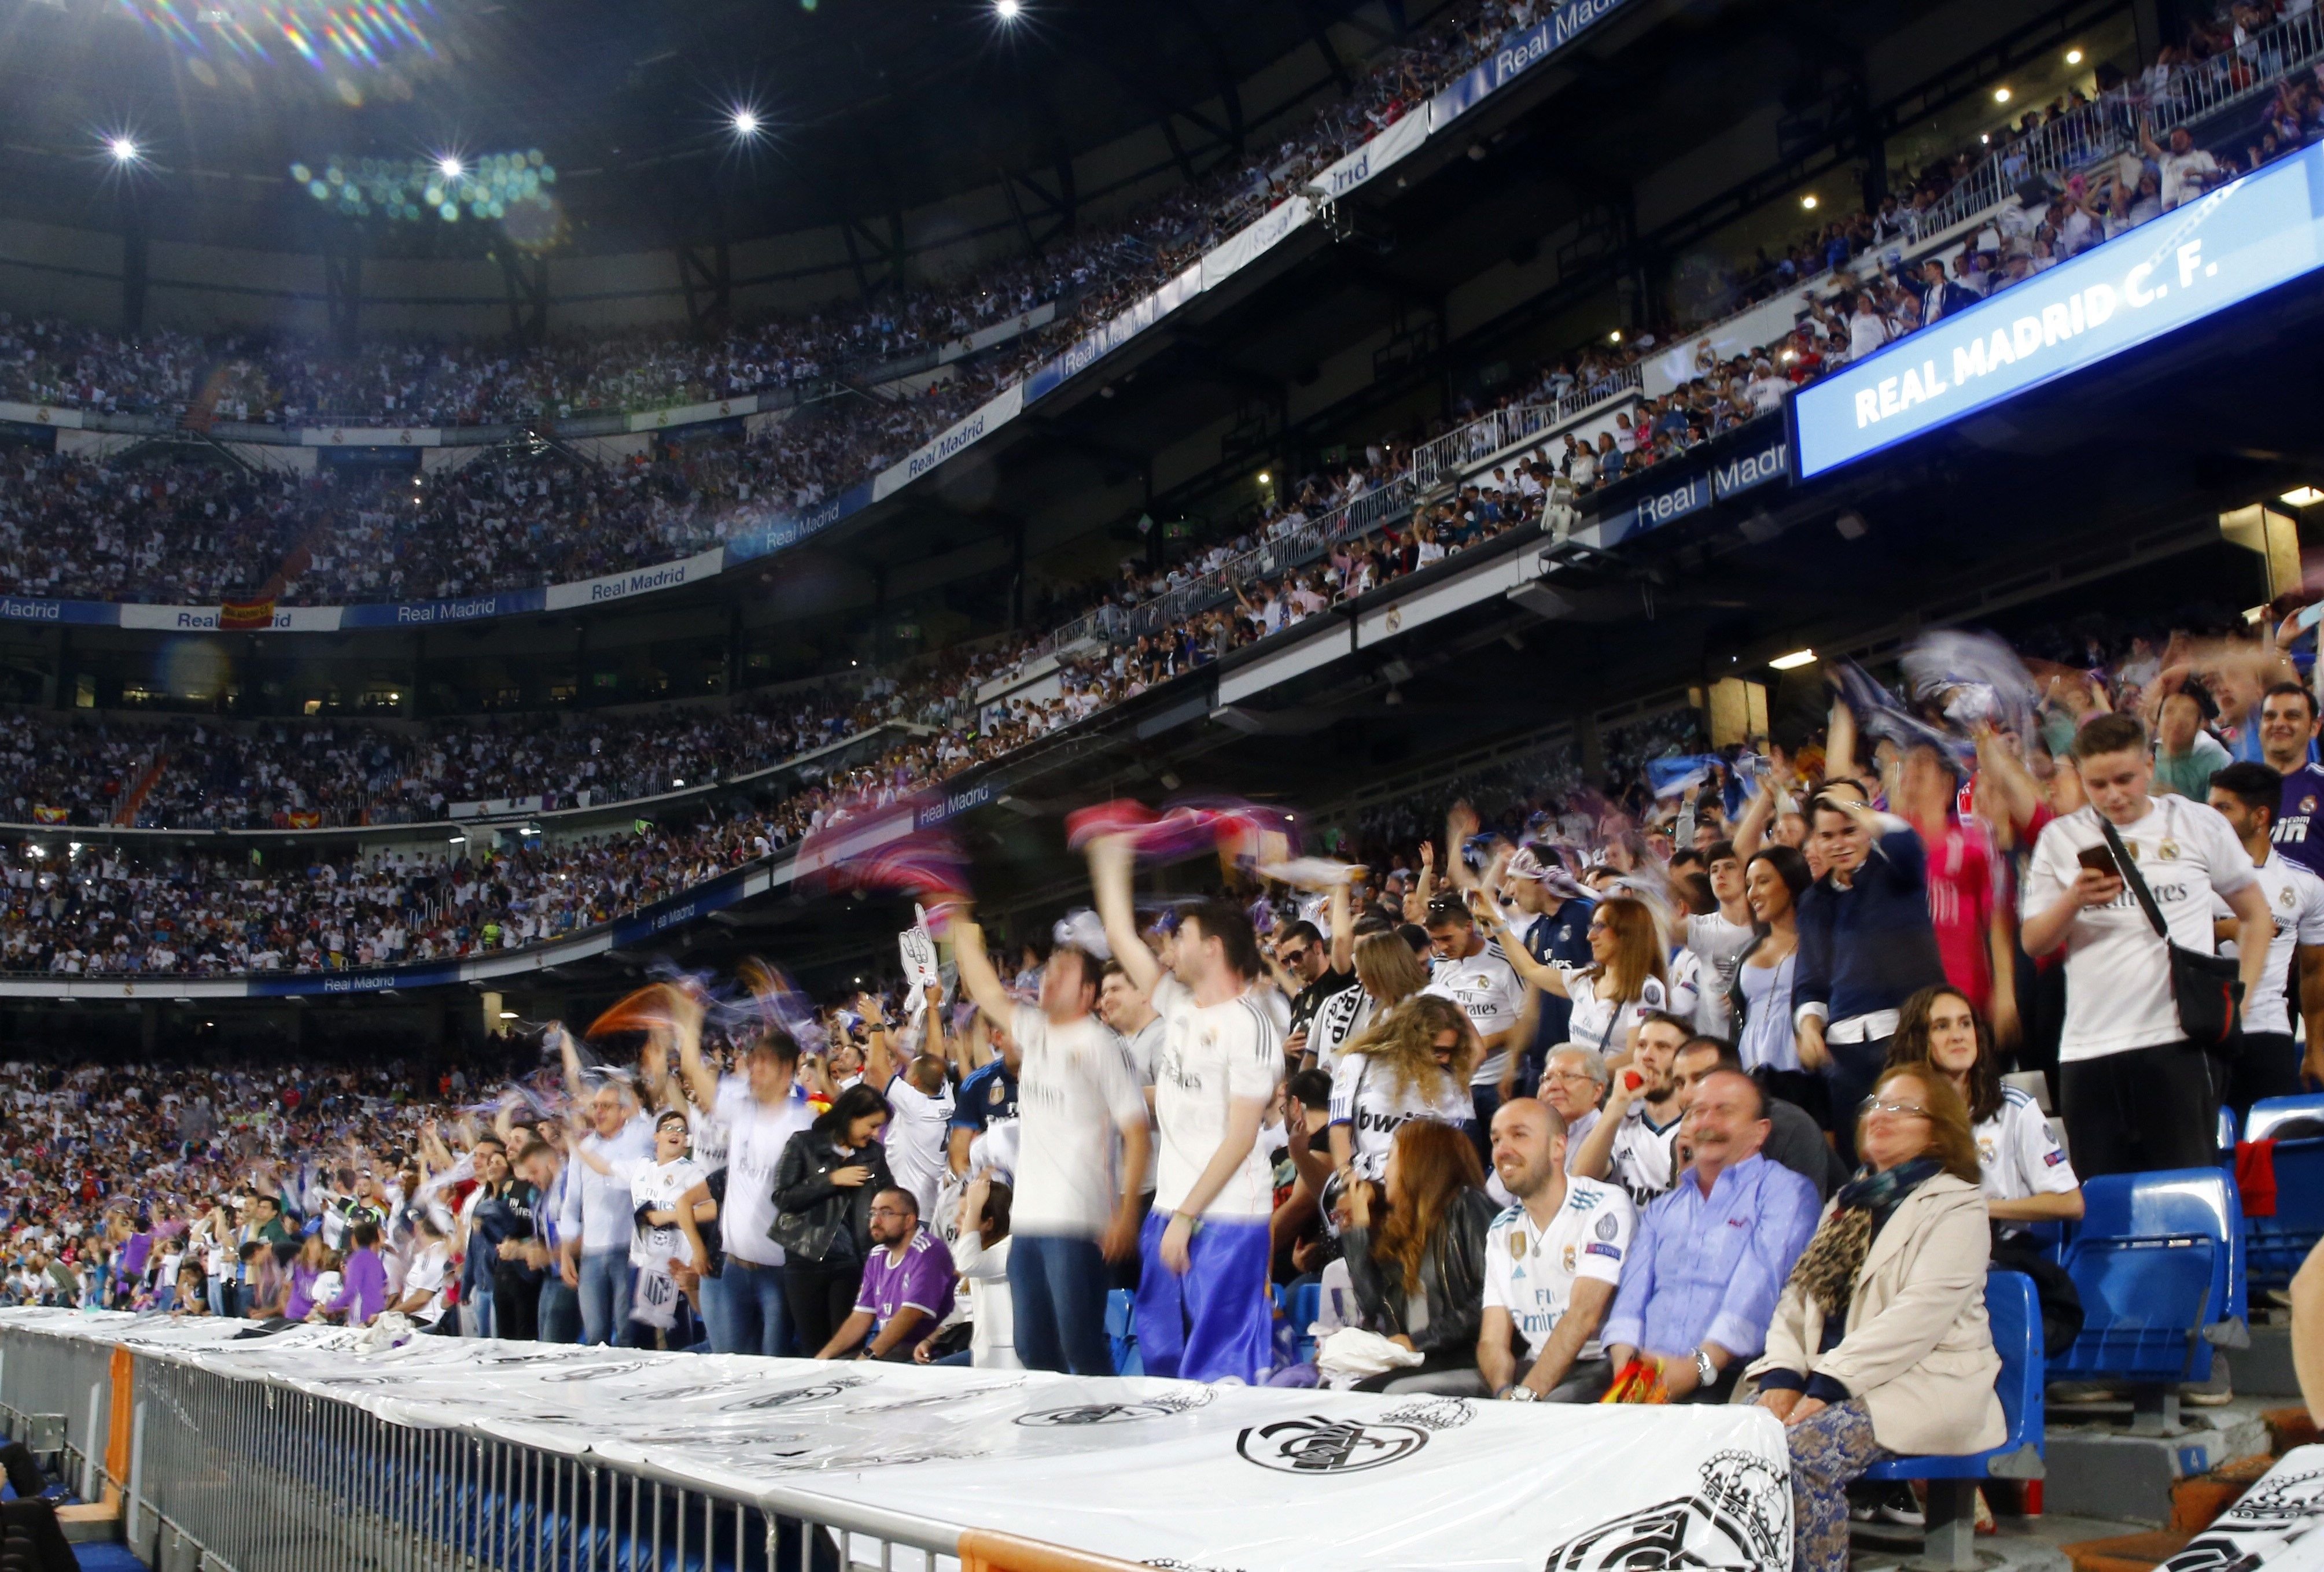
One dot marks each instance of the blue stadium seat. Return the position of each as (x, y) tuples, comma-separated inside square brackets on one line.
[(2227, 1139), (2276, 1246), (1306, 1304), (2158, 1261), (1121, 1330), (2014, 1310)]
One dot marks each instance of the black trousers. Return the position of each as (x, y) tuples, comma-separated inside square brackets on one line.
[(516, 1307), (2260, 1064), (1849, 1080), (820, 1296), (30, 1527), (2141, 1109)]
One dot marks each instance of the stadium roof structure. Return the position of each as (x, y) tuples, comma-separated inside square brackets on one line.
[(756, 117)]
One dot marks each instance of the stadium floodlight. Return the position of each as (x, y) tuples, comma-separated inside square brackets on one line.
[(746, 123), (1008, 10), (123, 149), (1808, 201), (1794, 660), (2303, 496), (2074, 57), (2001, 94), (450, 166)]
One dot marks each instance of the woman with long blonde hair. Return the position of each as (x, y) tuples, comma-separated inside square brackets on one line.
[(1411, 1063)]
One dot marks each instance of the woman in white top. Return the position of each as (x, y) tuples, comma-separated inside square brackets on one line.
[(2026, 1176), (1772, 882), (979, 1255), (1625, 981), (1412, 1063)]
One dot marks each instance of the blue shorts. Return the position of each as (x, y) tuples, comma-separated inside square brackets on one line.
[(1217, 1321)]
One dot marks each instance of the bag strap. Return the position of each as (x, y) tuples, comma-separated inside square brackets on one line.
[(2129, 871)]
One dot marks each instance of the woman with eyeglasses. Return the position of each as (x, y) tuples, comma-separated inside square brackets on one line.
[(1625, 981), (1880, 1346)]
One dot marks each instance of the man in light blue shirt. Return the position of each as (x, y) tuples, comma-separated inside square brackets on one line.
[(1710, 1257)]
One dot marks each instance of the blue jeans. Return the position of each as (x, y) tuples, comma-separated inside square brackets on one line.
[(560, 1311), (1057, 1284), (744, 1307), (606, 1297)]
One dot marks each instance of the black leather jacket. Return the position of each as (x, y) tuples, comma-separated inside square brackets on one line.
[(1451, 1275), (835, 1219)]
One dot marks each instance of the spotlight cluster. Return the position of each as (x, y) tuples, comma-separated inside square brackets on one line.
[(445, 186)]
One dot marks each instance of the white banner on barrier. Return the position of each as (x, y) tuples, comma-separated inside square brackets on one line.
[(369, 437), (40, 415), (694, 414), (999, 411), (1239, 249), (1398, 140), (1167, 1473), (205, 618), (618, 586)]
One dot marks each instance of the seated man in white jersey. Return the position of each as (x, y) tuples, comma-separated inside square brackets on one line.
[(1203, 1312), (2267, 1062), (1552, 1262), (1074, 1208), (1634, 1142)]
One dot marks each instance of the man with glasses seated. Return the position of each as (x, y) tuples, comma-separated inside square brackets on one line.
[(907, 1285)]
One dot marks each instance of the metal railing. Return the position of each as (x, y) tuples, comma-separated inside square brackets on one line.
[(1440, 460), (1287, 549), (2083, 135), (230, 1474)]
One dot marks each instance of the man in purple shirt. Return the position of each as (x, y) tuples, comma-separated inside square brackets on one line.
[(908, 1284), (363, 1285), (1712, 1255)]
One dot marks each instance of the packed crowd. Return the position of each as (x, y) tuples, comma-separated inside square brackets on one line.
[(1686, 1089)]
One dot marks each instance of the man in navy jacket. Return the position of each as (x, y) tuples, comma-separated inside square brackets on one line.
[(1866, 946)]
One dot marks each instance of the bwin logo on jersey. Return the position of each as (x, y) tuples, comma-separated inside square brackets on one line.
[(1315, 1444)]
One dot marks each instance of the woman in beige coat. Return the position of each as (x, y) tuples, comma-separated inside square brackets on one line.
[(1880, 1346)]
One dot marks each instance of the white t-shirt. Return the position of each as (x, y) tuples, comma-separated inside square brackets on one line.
[(2295, 899), (1210, 1058), (1601, 1023), (2118, 976), (1484, 987), (426, 1276), (915, 1140), (1644, 1161), (1531, 1274), (2018, 1155), (1368, 1098), (1074, 1091), (658, 1186), (756, 1136), (1721, 944), (708, 1138)]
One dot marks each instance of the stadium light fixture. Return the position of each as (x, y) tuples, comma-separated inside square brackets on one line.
[(2074, 57), (1264, 477), (450, 166), (2001, 94), (1614, 337), (1808, 201), (1008, 10), (123, 149), (1794, 660), (2303, 496), (745, 122)]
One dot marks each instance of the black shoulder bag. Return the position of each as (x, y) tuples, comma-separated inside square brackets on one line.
[(2207, 988)]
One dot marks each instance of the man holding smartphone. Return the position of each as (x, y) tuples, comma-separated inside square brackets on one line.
[(2136, 1095)]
